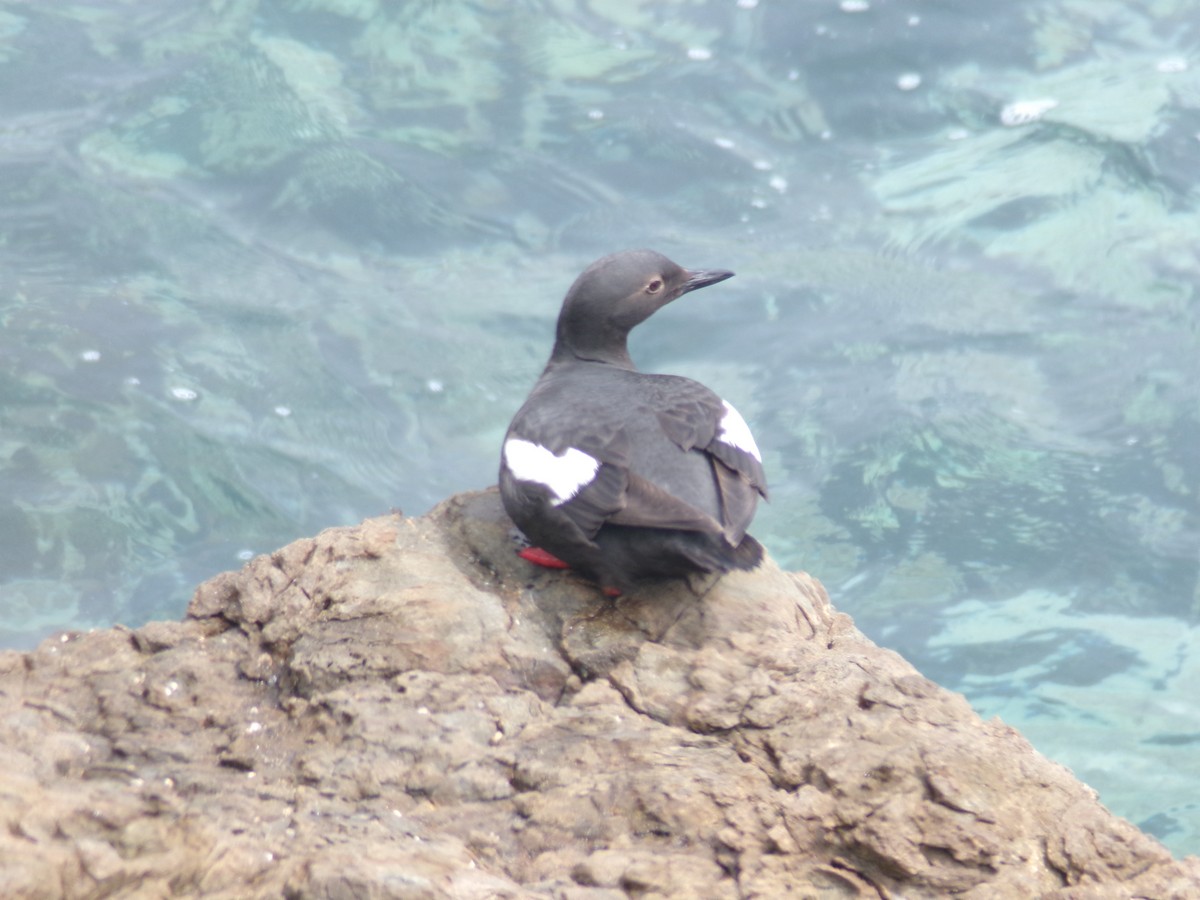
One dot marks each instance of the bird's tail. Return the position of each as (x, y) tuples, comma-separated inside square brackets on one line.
[(748, 554)]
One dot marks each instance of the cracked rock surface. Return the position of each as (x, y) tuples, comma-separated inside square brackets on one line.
[(405, 710)]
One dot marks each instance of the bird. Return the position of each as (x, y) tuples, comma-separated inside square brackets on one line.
[(628, 477)]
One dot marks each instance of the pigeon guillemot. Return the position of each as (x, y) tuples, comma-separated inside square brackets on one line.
[(620, 475)]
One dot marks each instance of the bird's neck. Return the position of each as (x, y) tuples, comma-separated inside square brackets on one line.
[(608, 354), (602, 342)]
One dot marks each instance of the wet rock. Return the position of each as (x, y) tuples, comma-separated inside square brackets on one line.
[(405, 709)]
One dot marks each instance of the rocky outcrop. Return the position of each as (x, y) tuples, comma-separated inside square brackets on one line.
[(404, 709)]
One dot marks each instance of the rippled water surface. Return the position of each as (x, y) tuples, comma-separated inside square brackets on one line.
[(268, 267)]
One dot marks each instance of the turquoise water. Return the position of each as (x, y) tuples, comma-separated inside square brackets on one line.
[(268, 267)]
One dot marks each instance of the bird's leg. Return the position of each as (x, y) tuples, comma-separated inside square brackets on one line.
[(540, 557)]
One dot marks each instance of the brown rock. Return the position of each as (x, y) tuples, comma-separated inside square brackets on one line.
[(407, 710)]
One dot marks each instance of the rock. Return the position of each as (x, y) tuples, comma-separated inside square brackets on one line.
[(406, 710)]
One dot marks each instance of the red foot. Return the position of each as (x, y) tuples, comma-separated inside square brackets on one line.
[(611, 592), (540, 557)]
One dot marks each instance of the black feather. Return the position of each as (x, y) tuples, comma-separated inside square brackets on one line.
[(669, 497)]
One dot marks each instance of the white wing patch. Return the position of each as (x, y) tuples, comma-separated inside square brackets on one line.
[(735, 432), (565, 475)]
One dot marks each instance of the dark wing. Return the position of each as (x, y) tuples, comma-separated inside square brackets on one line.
[(649, 506), (695, 418), (615, 494), (594, 501)]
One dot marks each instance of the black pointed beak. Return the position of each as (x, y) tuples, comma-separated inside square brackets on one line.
[(704, 279)]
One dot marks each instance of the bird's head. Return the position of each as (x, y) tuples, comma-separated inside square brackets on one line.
[(614, 294)]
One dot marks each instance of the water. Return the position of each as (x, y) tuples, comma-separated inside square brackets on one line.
[(268, 267)]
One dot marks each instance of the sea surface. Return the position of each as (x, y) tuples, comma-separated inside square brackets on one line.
[(269, 266)]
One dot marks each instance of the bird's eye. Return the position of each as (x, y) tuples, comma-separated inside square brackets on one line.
[(654, 286)]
